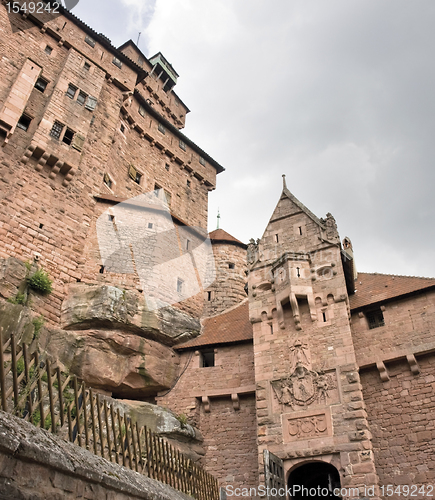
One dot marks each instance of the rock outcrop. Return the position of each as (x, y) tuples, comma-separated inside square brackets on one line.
[(122, 364), (101, 306)]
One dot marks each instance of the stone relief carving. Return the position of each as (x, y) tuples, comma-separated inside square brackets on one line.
[(304, 427), (331, 227), (253, 252), (303, 386)]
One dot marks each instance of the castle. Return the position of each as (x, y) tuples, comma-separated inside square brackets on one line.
[(297, 369)]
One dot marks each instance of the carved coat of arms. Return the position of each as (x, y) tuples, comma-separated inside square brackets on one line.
[(304, 386)]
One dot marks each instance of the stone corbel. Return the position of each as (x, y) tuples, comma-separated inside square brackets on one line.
[(56, 169), (413, 365), (206, 403), (383, 372), (236, 401)]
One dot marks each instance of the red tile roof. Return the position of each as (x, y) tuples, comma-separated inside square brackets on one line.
[(219, 235), (230, 327), (372, 288)]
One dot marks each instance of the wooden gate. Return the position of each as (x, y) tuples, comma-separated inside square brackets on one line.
[(274, 476)]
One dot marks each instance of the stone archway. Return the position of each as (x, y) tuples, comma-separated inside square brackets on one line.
[(315, 480)]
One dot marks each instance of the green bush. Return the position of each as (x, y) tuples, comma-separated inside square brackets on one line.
[(20, 298), (38, 323), (40, 282)]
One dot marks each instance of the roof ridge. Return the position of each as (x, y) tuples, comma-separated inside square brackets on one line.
[(397, 275), (310, 214)]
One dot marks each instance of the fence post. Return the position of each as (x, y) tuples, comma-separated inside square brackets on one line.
[(2, 375)]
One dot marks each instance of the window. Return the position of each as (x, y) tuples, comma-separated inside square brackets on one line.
[(24, 122), (209, 296), (56, 130), (48, 50), (87, 66), (167, 167), (41, 84), (231, 265), (122, 128), (182, 145), (276, 238), (150, 225), (157, 190), (180, 285), (187, 244), (140, 61), (324, 317), (71, 92), (168, 197), (68, 136), (134, 174), (91, 103), (300, 230), (81, 98), (117, 62), (142, 111), (111, 218), (375, 319), (162, 129), (107, 180), (207, 358), (90, 41), (202, 161), (188, 183)]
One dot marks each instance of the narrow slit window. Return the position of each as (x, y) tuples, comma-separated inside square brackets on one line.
[(187, 244), (324, 317), (276, 238), (300, 230), (188, 183), (180, 285), (298, 272), (102, 270), (107, 180), (209, 296)]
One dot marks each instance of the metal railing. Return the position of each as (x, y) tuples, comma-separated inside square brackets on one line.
[(37, 391)]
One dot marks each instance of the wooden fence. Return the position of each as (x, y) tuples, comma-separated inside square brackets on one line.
[(38, 392)]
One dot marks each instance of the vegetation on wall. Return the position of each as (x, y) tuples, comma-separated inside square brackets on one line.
[(40, 282)]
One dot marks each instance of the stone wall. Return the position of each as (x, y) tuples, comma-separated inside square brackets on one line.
[(228, 288), (400, 413), (220, 401), (49, 189), (36, 465), (409, 324)]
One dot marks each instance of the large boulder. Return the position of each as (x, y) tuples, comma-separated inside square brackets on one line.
[(13, 274), (122, 364), (109, 307), (16, 319), (172, 427)]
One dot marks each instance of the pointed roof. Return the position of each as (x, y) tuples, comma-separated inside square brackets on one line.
[(373, 288), (221, 236), (230, 327), (292, 197)]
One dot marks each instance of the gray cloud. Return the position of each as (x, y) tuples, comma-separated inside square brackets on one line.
[(338, 95)]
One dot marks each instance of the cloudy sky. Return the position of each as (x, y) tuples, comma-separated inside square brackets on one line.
[(338, 95)]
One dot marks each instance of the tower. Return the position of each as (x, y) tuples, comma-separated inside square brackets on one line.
[(310, 407)]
